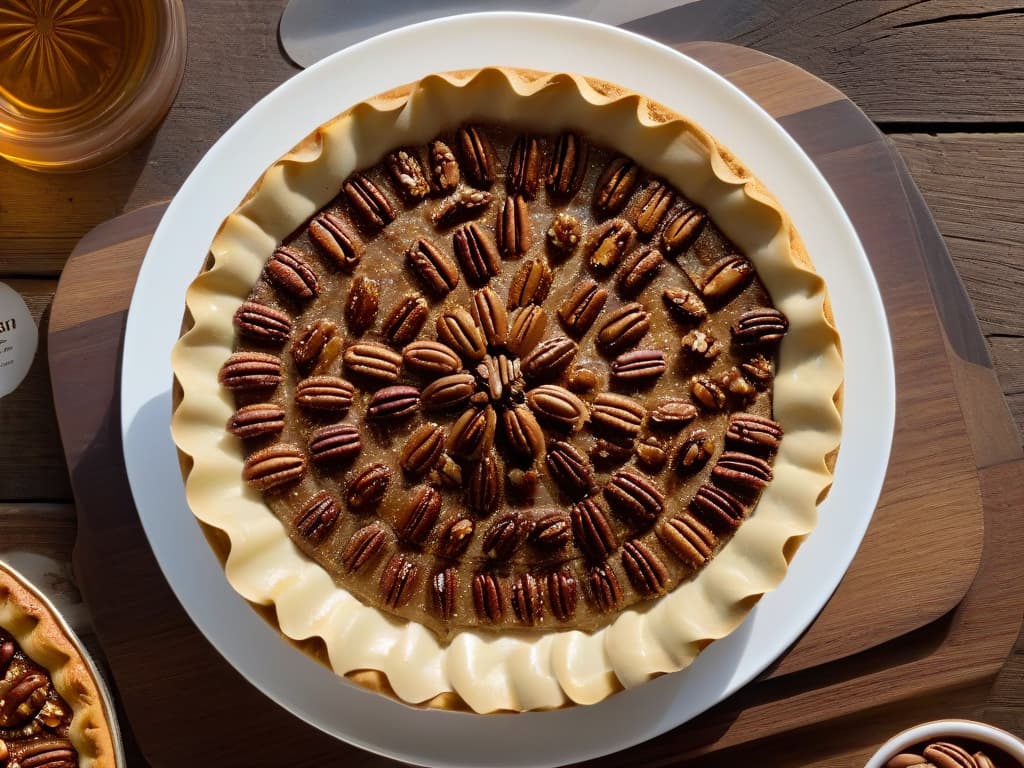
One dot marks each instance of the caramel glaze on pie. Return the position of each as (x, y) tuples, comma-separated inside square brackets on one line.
[(507, 380)]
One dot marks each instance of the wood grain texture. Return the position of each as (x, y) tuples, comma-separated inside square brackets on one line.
[(32, 465), (971, 184), (901, 60)]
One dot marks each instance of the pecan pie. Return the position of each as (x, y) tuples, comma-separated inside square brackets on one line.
[(515, 378), (51, 711)]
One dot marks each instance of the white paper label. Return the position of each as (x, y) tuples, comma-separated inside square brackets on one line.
[(18, 339)]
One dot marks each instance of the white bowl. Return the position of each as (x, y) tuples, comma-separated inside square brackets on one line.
[(941, 730)]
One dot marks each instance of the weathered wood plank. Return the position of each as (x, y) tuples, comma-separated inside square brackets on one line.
[(899, 60), (972, 185), (233, 61), (32, 463)]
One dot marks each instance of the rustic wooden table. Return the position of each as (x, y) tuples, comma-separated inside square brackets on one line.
[(941, 77)]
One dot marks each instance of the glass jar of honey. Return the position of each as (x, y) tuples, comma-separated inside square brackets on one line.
[(81, 81)]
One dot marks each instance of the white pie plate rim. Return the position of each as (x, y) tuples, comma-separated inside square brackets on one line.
[(270, 129)]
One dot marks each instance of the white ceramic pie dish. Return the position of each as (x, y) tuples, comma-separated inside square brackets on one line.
[(221, 180)]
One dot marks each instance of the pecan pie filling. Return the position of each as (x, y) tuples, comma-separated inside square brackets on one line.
[(507, 380), (34, 719)]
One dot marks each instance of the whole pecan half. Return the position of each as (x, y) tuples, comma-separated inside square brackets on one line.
[(325, 393), (372, 360), (651, 206), (370, 205), (364, 546), (399, 580), (623, 328), (673, 413), (405, 320), (725, 277), (472, 434), (263, 323), (488, 311), (552, 530), (250, 370), (527, 599), (530, 284), (477, 156), (431, 358), (362, 304), (639, 365), (754, 432), (944, 754), (312, 342), (483, 486), (274, 466), (367, 489), (335, 443), (487, 597), (616, 185), (422, 450), (609, 244), (719, 510), (594, 535), (557, 405), (682, 230), (550, 358), (477, 253), (451, 391), (512, 228), (416, 520), (688, 539), (522, 176), (638, 269), (459, 330), (256, 420), (644, 568), (604, 587), (407, 174), (436, 270), (399, 401), (635, 496), (760, 326), (505, 535), (743, 472), (522, 432), (571, 469), (444, 590), (526, 326), (650, 453), (568, 165), (444, 168), (562, 594), (617, 414), (582, 306), (288, 271), (317, 517), (332, 234)]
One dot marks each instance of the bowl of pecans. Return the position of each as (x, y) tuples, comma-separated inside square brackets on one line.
[(950, 744)]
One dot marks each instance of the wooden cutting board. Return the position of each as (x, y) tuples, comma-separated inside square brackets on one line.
[(913, 615)]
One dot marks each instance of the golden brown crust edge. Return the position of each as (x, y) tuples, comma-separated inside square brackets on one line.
[(46, 642)]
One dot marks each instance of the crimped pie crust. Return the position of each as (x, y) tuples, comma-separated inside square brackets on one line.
[(43, 640), (520, 670)]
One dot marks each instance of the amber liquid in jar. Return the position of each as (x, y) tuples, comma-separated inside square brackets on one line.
[(69, 69)]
